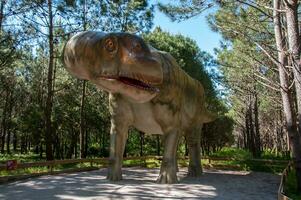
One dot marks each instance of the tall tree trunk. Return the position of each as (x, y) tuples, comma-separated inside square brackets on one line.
[(21, 144), (27, 144), (279, 133), (86, 140), (141, 143), (82, 138), (287, 101), (15, 141), (8, 139), (75, 145), (248, 131), (4, 122), (158, 145), (2, 3), (82, 122), (294, 42), (244, 133), (41, 150), (257, 128), (103, 141), (9, 125), (251, 129), (3, 138), (48, 109), (72, 148)]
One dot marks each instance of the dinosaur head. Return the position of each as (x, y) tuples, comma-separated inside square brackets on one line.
[(116, 62)]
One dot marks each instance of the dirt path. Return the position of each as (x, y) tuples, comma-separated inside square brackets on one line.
[(140, 183)]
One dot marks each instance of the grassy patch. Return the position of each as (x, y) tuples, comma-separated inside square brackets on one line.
[(239, 159), (24, 171), (153, 163), (290, 187), (57, 168), (229, 152), (266, 154), (133, 162), (149, 163), (30, 157), (243, 160), (260, 166)]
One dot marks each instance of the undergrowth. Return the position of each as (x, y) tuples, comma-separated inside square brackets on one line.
[(290, 187)]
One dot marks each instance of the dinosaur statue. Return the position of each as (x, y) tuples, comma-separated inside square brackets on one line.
[(147, 90)]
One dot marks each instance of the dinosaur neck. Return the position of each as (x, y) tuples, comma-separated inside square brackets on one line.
[(171, 84)]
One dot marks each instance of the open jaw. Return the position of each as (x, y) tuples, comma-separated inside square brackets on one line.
[(139, 84)]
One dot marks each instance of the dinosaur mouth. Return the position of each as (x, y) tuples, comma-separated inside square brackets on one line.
[(137, 83), (142, 85)]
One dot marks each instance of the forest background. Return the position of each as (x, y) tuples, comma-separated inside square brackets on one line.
[(253, 82)]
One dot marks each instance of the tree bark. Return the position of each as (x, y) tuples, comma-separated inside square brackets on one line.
[(41, 150), (244, 133), (82, 138), (4, 122), (15, 141), (141, 143), (288, 107), (103, 152), (9, 127), (295, 50), (251, 129), (158, 145), (2, 4), (82, 122), (48, 109), (248, 129), (257, 128)]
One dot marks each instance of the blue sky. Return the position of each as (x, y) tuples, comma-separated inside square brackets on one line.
[(196, 28)]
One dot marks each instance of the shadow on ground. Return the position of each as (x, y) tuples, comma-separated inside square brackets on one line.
[(139, 183)]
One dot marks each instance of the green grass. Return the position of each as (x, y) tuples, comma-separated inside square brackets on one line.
[(35, 170), (230, 152), (30, 157), (132, 162), (290, 188), (242, 160), (24, 171), (266, 154), (149, 163)]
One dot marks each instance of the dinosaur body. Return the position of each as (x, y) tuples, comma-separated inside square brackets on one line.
[(148, 90)]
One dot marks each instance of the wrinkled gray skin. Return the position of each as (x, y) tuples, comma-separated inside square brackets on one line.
[(147, 90)]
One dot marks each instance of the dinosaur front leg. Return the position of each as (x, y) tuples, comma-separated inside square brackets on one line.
[(193, 141), (118, 138), (168, 171)]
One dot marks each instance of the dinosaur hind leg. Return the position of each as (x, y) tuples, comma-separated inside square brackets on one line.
[(193, 142)]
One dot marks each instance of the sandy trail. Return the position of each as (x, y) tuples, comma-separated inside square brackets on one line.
[(139, 183)]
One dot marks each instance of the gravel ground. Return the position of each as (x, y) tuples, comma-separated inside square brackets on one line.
[(139, 183)]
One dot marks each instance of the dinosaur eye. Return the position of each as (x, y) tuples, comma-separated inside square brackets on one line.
[(109, 45)]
